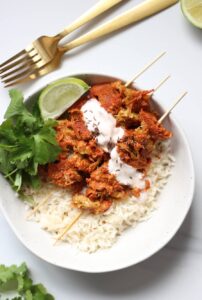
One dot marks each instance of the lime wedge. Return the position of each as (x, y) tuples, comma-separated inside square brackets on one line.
[(192, 9), (60, 95)]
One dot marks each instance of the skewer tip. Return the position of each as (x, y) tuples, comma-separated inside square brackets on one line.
[(161, 83), (172, 107), (145, 68)]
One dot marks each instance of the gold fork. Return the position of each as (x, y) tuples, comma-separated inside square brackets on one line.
[(139, 12), (43, 50)]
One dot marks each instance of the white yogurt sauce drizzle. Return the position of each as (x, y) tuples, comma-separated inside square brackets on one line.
[(124, 173), (99, 121), (103, 123)]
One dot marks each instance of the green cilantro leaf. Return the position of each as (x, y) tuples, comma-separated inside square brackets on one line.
[(45, 147), (7, 131), (26, 140), (16, 106), (16, 278), (17, 110), (8, 276), (28, 295), (5, 167)]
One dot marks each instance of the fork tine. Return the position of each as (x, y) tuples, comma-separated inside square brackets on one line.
[(18, 76), (29, 77), (12, 65), (12, 58), (25, 59), (30, 64), (23, 80), (16, 70)]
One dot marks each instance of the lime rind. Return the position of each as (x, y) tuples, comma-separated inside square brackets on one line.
[(194, 18), (60, 95), (72, 80)]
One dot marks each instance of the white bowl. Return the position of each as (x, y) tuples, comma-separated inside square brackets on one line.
[(135, 244)]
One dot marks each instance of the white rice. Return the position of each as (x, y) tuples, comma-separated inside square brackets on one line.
[(93, 232)]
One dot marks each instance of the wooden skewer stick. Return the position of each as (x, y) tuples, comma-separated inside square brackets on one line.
[(172, 106), (68, 227), (144, 69), (38, 206), (161, 83)]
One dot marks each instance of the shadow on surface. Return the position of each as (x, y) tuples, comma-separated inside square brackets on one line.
[(194, 31)]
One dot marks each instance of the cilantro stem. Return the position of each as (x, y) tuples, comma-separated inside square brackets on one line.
[(11, 179), (11, 173), (7, 146)]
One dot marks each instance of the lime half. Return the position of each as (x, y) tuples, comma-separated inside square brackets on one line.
[(192, 9), (60, 95)]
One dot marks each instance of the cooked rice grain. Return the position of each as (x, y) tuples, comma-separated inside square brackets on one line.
[(93, 232)]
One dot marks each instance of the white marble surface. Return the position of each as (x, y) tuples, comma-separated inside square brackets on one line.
[(176, 271)]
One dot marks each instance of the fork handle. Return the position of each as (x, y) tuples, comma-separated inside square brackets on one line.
[(139, 12), (96, 10)]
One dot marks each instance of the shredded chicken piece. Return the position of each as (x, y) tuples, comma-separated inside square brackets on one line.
[(114, 96), (135, 148), (128, 119), (136, 100), (78, 125), (65, 134), (96, 207), (82, 164), (90, 149), (61, 174), (109, 96), (156, 130), (103, 185)]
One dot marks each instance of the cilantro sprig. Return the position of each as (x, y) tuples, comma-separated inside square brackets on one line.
[(17, 278), (26, 141)]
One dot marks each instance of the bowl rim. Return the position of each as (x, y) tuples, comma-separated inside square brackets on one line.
[(172, 233)]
